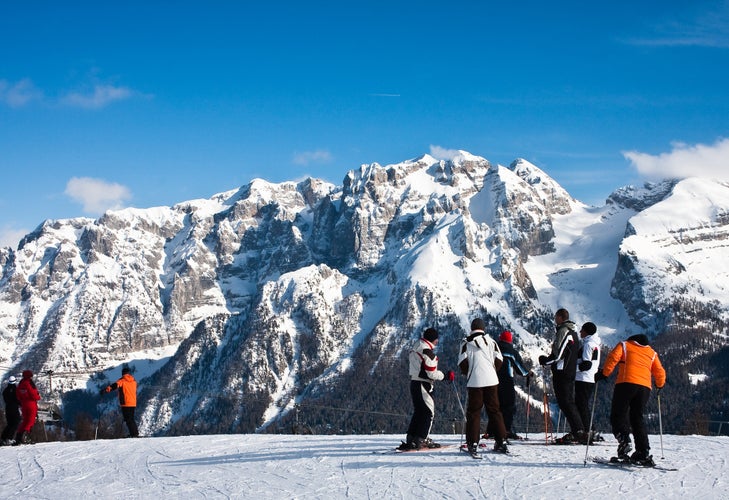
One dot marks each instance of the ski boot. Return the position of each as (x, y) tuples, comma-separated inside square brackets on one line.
[(641, 457), (624, 448), (501, 448)]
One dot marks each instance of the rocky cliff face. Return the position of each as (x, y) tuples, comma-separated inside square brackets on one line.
[(234, 309)]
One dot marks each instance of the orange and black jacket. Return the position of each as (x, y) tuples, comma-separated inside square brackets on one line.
[(636, 362), (127, 388)]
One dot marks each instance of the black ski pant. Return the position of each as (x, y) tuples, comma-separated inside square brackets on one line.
[(12, 417), (478, 398), (564, 391), (423, 409), (626, 413), (583, 394), (507, 405), (128, 414)]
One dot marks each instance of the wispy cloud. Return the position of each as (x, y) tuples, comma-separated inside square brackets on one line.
[(708, 28), (97, 195), (18, 94), (98, 97), (440, 153), (684, 160), (308, 157), (10, 237)]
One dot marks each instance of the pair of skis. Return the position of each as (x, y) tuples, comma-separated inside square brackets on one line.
[(482, 450), (627, 464)]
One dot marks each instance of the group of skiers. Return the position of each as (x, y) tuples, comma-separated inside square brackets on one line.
[(574, 361), (21, 400)]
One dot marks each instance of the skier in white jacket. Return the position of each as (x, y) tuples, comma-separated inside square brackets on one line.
[(479, 359), (587, 365)]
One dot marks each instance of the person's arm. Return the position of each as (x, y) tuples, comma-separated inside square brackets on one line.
[(463, 359), (430, 365)]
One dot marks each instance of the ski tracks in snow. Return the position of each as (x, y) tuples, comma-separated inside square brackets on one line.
[(346, 467)]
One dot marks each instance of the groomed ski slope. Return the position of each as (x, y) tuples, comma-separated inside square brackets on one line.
[(285, 466)]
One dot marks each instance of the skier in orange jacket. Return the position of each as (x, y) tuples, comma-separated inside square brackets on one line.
[(127, 388), (637, 362)]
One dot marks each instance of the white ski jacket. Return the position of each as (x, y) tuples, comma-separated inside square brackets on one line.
[(424, 363), (590, 352), (479, 359)]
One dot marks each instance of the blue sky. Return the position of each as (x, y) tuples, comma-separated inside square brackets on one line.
[(109, 104)]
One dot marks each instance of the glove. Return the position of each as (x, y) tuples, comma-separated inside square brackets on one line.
[(102, 391), (543, 360), (658, 390), (584, 366), (450, 376), (600, 376), (529, 377)]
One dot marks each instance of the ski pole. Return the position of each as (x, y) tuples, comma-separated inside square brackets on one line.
[(660, 422), (589, 429), (547, 416), (529, 397), (547, 413), (463, 412)]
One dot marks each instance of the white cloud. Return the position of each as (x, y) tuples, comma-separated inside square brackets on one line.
[(10, 237), (709, 27), (307, 157), (101, 96), (440, 153), (684, 160), (18, 94), (96, 195)]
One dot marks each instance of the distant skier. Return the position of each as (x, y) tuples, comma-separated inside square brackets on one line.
[(127, 388), (507, 394), (12, 412), (563, 362), (479, 359), (588, 362), (637, 362), (423, 370), (28, 398)]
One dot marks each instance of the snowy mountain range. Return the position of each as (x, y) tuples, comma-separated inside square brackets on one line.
[(233, 310)]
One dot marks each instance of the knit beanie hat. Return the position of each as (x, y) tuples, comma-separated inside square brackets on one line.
[(431, 335), (506, 336), (478, 324), (589, 328)]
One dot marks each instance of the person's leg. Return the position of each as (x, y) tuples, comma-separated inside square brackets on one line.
[(507, 405), (496, 419), (583, 391), (128, 414), (637, 409), (564, 390), (473, 415), (619, 421), (415, 395)]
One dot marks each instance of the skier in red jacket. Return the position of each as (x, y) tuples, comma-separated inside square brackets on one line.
[(28, 398)]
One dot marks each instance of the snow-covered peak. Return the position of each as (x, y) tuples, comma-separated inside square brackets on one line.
[(554, 196)]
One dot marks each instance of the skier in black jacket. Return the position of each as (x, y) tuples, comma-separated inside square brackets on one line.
[(563, 362), (507, 394), (12, 412)]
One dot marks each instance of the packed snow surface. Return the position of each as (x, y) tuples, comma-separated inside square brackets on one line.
[(286, 466)]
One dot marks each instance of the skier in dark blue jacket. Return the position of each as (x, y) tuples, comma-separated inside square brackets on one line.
[(507, 394)]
